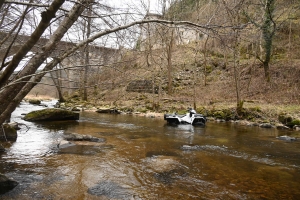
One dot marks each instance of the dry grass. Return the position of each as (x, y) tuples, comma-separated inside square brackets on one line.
[(39, 97)]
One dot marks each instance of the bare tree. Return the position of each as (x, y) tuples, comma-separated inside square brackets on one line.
[(233, 11), (14, 88), (87, 52)]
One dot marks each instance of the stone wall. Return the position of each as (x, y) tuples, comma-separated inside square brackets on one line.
[(142, 86)]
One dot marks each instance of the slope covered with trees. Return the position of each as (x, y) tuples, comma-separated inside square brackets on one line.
[(195, 53)]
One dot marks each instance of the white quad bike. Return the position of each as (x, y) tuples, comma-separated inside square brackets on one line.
[(191, 117)]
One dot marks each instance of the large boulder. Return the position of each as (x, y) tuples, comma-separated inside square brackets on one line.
[(6, 184), (51, 114), (8, 132)]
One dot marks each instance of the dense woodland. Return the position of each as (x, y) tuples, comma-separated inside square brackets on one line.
[(195, 53)]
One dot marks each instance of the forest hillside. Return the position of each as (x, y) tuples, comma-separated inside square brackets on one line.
[(224, 67)]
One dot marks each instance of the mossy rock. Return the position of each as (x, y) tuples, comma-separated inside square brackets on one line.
[(10, 133), (226, 114), (295, 122), (51, 114), (201, 110), (251, 113), (35, 101)]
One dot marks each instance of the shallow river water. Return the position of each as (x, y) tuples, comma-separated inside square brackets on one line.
[(143, 158)]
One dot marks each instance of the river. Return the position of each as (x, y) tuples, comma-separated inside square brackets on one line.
[(143, 158)]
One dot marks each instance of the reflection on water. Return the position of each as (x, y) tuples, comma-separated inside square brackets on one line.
[(143, 158)]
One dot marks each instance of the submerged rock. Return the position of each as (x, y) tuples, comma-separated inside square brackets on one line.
[(51, 114), (265, 125), (282, 127), (80, 137), (6, 184), (286, 138), (64, 144), (165, 169), (297, 128), (110, 190)]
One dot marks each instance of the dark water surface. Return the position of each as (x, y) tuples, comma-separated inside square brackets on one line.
[(143, 158)]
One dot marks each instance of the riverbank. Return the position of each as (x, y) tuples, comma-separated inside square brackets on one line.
[(254, 113)]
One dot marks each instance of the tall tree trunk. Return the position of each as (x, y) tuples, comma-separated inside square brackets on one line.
[(169, 59), (236, 66), (205, 60), (268, 32), (87, 54)]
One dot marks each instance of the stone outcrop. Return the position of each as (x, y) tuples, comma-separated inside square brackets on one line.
[(145, 86), (51, 114)]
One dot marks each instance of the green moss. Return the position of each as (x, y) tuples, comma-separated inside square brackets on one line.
[(251, 113), (142, 110), (51, 114), (225, 114), (295, 122)]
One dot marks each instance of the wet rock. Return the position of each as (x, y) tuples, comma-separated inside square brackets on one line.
[(80, 137), (243, 122), (286, 138), (168, 177), (190, 148), (81, 149), (51, 114), (165, 169), (34, 101), (265, 125), (76, 109), (110, 190), (297, 128), (161, 153), (8, 132), (295, 122), (14, 125), (64, 144), (163, 163), (282, 127), (108, 110), (204, 147), (6, 184)]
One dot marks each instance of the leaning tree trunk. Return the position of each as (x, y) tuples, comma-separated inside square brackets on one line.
[(47, 16), (11, 96), (87, 55)]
